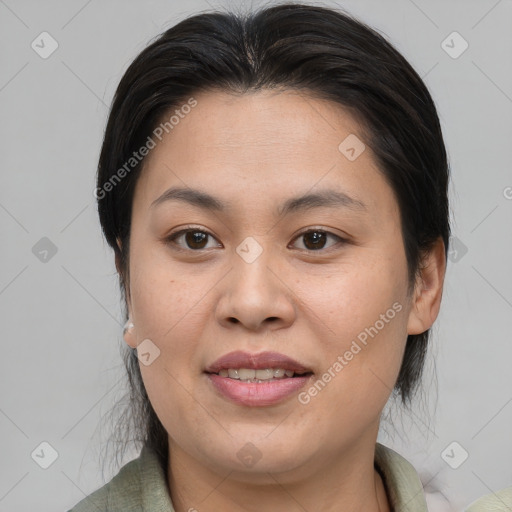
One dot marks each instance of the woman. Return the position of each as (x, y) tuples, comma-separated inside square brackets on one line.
[(274, 187)]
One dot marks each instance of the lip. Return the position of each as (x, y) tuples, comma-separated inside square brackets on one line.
[(260, 361), (254, 394), (257, 394)]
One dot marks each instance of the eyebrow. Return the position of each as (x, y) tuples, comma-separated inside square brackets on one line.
[(323, 198)]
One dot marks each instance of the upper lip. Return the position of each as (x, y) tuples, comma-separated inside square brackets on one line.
[(240, 359)]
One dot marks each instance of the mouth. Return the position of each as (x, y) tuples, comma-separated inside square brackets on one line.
[(257, 380), (254, 392)]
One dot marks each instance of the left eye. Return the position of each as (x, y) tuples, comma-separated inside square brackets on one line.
[(315, 239)]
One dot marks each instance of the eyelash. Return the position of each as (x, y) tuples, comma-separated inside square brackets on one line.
[(171, 239)]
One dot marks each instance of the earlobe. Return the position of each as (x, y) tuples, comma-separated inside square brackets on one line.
[(129, 334), (428, 290), (128, 328)]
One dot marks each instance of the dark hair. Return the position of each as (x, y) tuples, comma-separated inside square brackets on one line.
[(319, 51)]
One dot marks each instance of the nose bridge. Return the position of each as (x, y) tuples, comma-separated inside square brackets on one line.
[(252, 266), (254, 293)]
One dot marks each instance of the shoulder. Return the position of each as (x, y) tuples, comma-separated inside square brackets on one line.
[(124, 492), (500, 501), (140, 485), (403, 485)]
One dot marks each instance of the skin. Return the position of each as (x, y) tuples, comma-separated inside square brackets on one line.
[(254, 151)]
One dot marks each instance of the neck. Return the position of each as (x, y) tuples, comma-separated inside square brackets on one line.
[(348, 478)]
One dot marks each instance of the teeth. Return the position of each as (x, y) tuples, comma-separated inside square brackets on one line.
[(264, 374), (247, 374)]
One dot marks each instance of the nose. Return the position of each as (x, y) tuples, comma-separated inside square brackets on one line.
[(256, 295)]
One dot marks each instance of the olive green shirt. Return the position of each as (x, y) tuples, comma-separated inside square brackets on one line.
[(140, 486), (500, 501)]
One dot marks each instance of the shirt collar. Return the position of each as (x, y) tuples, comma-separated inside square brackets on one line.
[(402, 483)]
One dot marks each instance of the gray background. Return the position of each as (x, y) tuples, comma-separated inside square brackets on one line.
[(60, 370)]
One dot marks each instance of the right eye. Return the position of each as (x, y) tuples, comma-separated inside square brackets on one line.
[(193, 238)]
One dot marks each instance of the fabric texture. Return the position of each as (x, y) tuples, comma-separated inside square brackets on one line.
[(500, 501), (140, 486)]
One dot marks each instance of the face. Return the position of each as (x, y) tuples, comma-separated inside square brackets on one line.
[(322, 281)]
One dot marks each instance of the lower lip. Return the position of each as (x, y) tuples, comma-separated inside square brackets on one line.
[(257, 394)]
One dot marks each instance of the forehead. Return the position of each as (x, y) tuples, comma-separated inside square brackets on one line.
[(264, 118), (261, 144), (263, 125)]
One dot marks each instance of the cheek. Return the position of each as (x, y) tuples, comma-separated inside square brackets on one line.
[(365, 310), (165, 300), (173, 395), (171, 309), (354, 296)]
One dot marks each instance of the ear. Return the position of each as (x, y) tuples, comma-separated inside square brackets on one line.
[(428, 290), (129, 328)]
